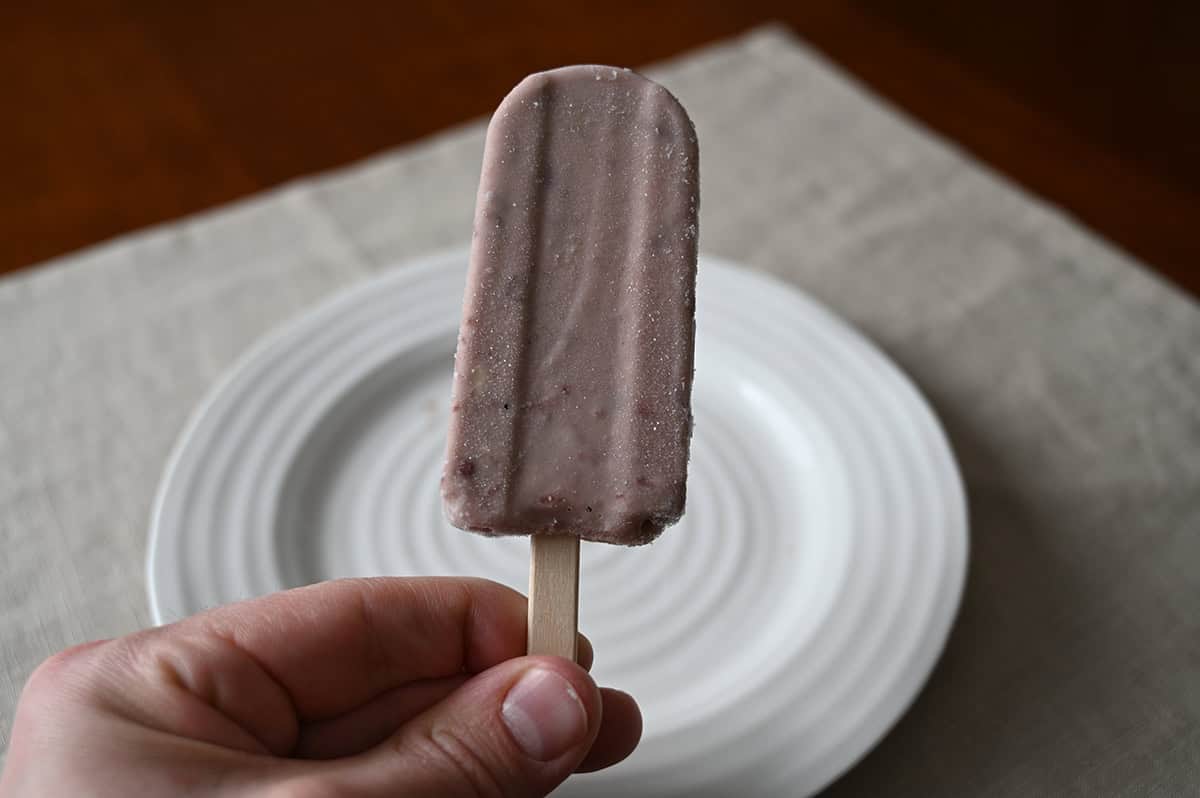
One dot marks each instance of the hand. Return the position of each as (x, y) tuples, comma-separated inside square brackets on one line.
[(391, 687)]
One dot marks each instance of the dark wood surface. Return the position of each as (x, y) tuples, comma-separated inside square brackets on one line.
[(122, 113)]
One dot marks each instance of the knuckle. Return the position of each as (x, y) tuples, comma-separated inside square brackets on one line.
[(54, 669), (79, 671), (55, 682)]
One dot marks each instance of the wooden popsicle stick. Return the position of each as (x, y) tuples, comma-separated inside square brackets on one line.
[(554, 595)]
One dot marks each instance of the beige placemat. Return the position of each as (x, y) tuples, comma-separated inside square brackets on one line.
[(1067, 375)]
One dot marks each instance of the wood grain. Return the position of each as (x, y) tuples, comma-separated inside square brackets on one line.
[(123, 113), (554, 595)]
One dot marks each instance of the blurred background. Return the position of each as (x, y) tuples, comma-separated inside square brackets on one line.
[(133, 112)]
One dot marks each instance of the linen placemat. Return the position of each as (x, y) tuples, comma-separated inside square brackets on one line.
[(1068, 377)]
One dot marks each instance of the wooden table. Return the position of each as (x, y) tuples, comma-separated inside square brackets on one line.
[(122, 113)]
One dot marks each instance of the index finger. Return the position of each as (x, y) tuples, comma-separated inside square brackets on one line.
[(336, 645)]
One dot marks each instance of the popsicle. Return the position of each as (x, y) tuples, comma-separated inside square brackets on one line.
[(571, 402)]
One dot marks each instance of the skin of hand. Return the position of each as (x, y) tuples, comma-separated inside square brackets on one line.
[(362, 687)]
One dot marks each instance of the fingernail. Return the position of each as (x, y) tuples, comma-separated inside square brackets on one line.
[(544, 714)]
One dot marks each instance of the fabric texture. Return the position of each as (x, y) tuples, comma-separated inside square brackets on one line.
[(1067, 375)]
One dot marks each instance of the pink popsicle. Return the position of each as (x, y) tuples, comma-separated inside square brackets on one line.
[(573, 375)]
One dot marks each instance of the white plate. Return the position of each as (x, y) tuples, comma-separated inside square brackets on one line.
[(772, 637)]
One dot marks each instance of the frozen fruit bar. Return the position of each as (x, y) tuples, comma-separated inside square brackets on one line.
[(573, 375)]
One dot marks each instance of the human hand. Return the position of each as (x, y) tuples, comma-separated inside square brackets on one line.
[(360, 687)]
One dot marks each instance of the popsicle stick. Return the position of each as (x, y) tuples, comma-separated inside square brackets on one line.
[(554, 595)]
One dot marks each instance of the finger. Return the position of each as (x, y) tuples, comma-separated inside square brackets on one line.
[(373, 722), (244, 676), (585, 654), (619, 733), (249, 675), (200, 688), (518, 729), (334, 646)]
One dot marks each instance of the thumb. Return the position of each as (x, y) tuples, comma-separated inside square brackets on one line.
[(518, 729)]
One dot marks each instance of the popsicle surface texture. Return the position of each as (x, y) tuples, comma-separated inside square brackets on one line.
[(571, 403)]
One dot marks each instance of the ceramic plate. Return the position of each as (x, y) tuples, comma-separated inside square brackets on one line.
[(772, 637)]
